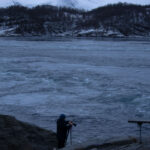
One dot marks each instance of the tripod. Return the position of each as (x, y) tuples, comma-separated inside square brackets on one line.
[(69, 133)]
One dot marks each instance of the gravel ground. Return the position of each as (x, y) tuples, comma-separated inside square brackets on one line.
[(114, 144), (125, 147), (135, 146)]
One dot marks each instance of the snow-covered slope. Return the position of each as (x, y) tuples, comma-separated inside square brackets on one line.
[(113, 21)]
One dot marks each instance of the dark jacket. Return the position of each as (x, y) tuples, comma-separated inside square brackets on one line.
[(62, 132)]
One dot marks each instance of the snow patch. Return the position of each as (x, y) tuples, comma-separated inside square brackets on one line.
[(4, 31)]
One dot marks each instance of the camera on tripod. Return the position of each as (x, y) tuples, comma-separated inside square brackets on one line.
[(72, 123)]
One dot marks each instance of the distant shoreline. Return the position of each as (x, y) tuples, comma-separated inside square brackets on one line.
[(47, 38)]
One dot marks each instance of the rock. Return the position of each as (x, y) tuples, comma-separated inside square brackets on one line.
[(17, 135), (115, 143)]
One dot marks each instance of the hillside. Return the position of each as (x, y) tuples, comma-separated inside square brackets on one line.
[(117, 20), (17, 135)]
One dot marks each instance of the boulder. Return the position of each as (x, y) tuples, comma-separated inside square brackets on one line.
[(17, 135)]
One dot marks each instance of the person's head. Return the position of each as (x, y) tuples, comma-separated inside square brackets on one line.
[(62, 117)]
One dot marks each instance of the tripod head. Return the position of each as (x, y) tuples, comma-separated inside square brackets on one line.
[(72, 123)]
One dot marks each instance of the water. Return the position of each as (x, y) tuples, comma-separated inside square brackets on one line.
[(99, 84)]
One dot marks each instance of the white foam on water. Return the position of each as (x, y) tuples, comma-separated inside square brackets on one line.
[(99, 84)]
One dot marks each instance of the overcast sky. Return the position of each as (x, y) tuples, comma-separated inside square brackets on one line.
[(96, 3)]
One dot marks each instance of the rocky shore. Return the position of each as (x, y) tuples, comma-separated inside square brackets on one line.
[(17, 135), (128, 143)]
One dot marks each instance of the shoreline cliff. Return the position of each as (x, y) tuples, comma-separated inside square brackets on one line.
[(17, 135)]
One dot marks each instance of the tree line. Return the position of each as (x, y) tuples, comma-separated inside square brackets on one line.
[(41, 19)]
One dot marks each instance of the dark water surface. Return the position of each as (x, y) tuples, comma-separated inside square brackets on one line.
[(98, 83)]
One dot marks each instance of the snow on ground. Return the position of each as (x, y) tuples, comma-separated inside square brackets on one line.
[(99, 84), (4, 31)]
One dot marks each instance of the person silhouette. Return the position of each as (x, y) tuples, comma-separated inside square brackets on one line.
[(63, 128)]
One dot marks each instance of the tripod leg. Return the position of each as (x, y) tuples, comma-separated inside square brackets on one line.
[(71, 136), (140, 126)]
